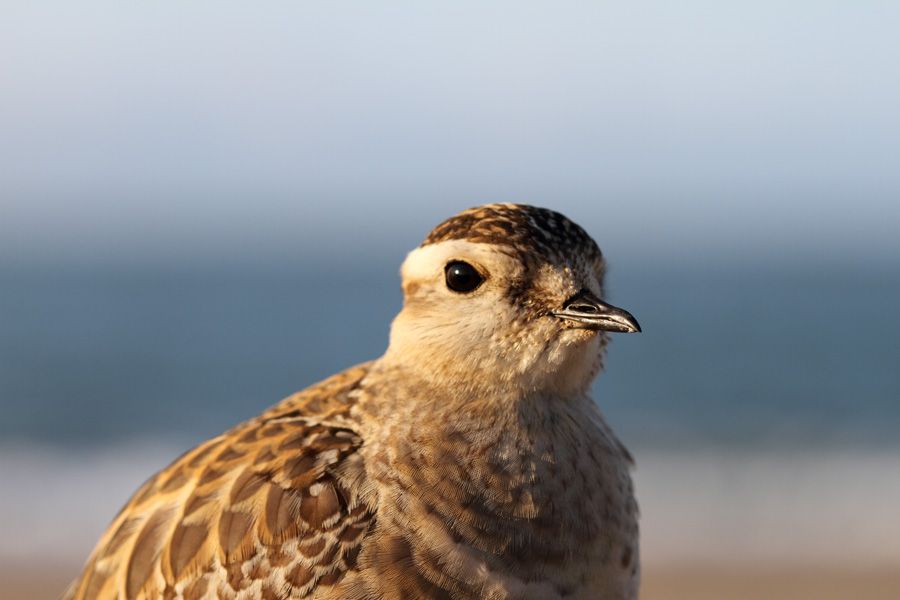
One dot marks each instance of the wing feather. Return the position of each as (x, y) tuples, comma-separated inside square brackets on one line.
[(277, 507)]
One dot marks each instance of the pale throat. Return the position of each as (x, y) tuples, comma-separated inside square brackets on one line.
[(488, 381), (544, 361)]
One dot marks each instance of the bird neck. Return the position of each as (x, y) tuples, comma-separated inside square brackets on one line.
[(402, 404), (493, 378)]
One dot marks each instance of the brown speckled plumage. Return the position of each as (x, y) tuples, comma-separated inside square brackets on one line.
[(531, 232), (468, 462)]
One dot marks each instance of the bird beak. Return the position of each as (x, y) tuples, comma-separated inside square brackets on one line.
[(590, 312)]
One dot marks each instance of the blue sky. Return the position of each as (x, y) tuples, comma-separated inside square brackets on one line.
[(163, 131)]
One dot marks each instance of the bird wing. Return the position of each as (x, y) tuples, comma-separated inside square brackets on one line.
[(275, 508)]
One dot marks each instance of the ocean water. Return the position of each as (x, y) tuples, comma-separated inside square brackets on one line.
[(734, 357), (762, 404)]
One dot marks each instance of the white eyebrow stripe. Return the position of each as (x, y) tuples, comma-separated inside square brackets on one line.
[(427, 262)]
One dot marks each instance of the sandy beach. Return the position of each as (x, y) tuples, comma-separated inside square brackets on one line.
[(696, 582), (691, 582)]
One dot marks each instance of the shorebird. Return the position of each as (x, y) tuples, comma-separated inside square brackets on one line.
[(467, 462)]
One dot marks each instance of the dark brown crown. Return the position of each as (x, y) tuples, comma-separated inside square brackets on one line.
[(529, 231)]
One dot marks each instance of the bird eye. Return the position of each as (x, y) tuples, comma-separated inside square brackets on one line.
[(461, 276)]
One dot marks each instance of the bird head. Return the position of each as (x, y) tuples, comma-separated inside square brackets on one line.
[(506, 297)]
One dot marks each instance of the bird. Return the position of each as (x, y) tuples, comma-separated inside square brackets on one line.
[(469, 461)]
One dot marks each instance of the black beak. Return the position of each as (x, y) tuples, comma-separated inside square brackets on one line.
[(590, 312)]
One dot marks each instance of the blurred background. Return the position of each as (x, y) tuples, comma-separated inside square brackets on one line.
[(203, 208)]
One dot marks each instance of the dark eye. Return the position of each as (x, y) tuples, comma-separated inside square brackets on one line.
[(461, 276)]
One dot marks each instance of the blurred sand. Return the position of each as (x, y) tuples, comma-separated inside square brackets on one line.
[(31, 583), (688, 583), (697, 583)]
